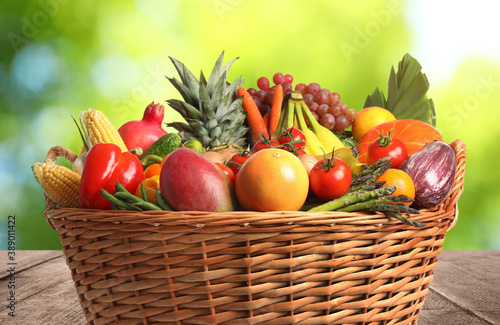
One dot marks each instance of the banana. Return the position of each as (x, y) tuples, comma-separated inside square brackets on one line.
[(327, 138), (349, 155), (358, 168), (313, 144)]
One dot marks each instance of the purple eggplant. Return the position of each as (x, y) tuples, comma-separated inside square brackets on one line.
[(432, 170)]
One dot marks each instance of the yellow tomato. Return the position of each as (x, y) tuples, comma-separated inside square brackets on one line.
[(152, 170), (150, 184)]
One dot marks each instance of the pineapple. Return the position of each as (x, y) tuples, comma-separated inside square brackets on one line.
[(213, 116)]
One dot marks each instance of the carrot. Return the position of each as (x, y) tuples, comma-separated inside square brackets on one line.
[(256, 123), (266, 119), (276, 109)]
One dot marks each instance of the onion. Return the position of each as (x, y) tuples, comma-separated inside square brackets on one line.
[(145, 132), (308, 161), (432, 170), (215, 156)]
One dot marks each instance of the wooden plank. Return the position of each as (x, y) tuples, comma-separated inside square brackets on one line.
[(45, 294), (25, 259), (465, 289), (439, 310)]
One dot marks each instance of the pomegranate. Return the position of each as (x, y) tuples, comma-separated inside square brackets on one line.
[(145, 132)]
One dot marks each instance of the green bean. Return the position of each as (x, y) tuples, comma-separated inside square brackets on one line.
[(161, 201), (118, 202), (136, 201)]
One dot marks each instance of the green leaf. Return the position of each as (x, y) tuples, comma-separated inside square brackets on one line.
[(207, 113), (185, 109), (406, 93), (216, 72), (202, 78), (205, 102), (185, 92), (232, 89), (218, 93), (187, 77), (392, 95), (377, 98), (415, 92)]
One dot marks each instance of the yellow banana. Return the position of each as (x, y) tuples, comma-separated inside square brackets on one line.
[(327, 138), (313, 144), (357, 169), (349, 155)]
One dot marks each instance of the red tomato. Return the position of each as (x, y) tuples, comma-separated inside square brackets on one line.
[(237, 160), (301, 152), (228, 171), (330, 178), (265, 143), (386, 146), (293, 134)]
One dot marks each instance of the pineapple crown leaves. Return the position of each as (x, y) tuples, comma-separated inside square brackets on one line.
[(407, 93), (212, 113), (216, 83)]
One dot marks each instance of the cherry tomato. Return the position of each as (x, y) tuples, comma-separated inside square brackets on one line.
[(264, 143), (293, 134), (330, 178), (237, 160), (228, 171), (300, 152), (387, 146)]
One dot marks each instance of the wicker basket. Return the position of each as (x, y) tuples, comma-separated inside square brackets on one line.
[(253, 268)]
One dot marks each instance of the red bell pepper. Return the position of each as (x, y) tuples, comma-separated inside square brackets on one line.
[(105, 165)]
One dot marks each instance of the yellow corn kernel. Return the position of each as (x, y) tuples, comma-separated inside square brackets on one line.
[(97, 128), (59, 183)]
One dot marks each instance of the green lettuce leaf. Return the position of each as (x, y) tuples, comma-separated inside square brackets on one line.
[(406, 93)]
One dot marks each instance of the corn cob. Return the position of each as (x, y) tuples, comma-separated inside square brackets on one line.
[(97, 128), (59, 183)]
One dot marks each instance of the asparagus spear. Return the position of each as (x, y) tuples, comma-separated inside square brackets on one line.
[(370, 174), (384, 203), (367, 187), (354, 197), (405, 220), (371, 168)]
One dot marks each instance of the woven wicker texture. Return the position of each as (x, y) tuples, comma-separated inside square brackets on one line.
[(245, 267)]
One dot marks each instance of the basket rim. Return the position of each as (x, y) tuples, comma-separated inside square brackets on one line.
[(201, 219)]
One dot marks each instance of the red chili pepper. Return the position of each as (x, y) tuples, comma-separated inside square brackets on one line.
[(105, 165)]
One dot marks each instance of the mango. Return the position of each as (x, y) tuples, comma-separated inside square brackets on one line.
[(191, 182)]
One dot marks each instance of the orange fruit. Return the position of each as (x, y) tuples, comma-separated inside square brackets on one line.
[(402, 181), (368, 118), (272, 180)]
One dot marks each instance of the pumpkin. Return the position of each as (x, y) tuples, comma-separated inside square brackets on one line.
[(415, 135)]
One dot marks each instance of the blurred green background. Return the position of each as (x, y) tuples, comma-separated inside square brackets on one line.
[(58, 58)]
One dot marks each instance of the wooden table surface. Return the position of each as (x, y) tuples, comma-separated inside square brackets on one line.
[(465, 290)]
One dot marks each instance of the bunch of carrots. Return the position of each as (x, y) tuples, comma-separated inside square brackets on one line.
[(262, 126)]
